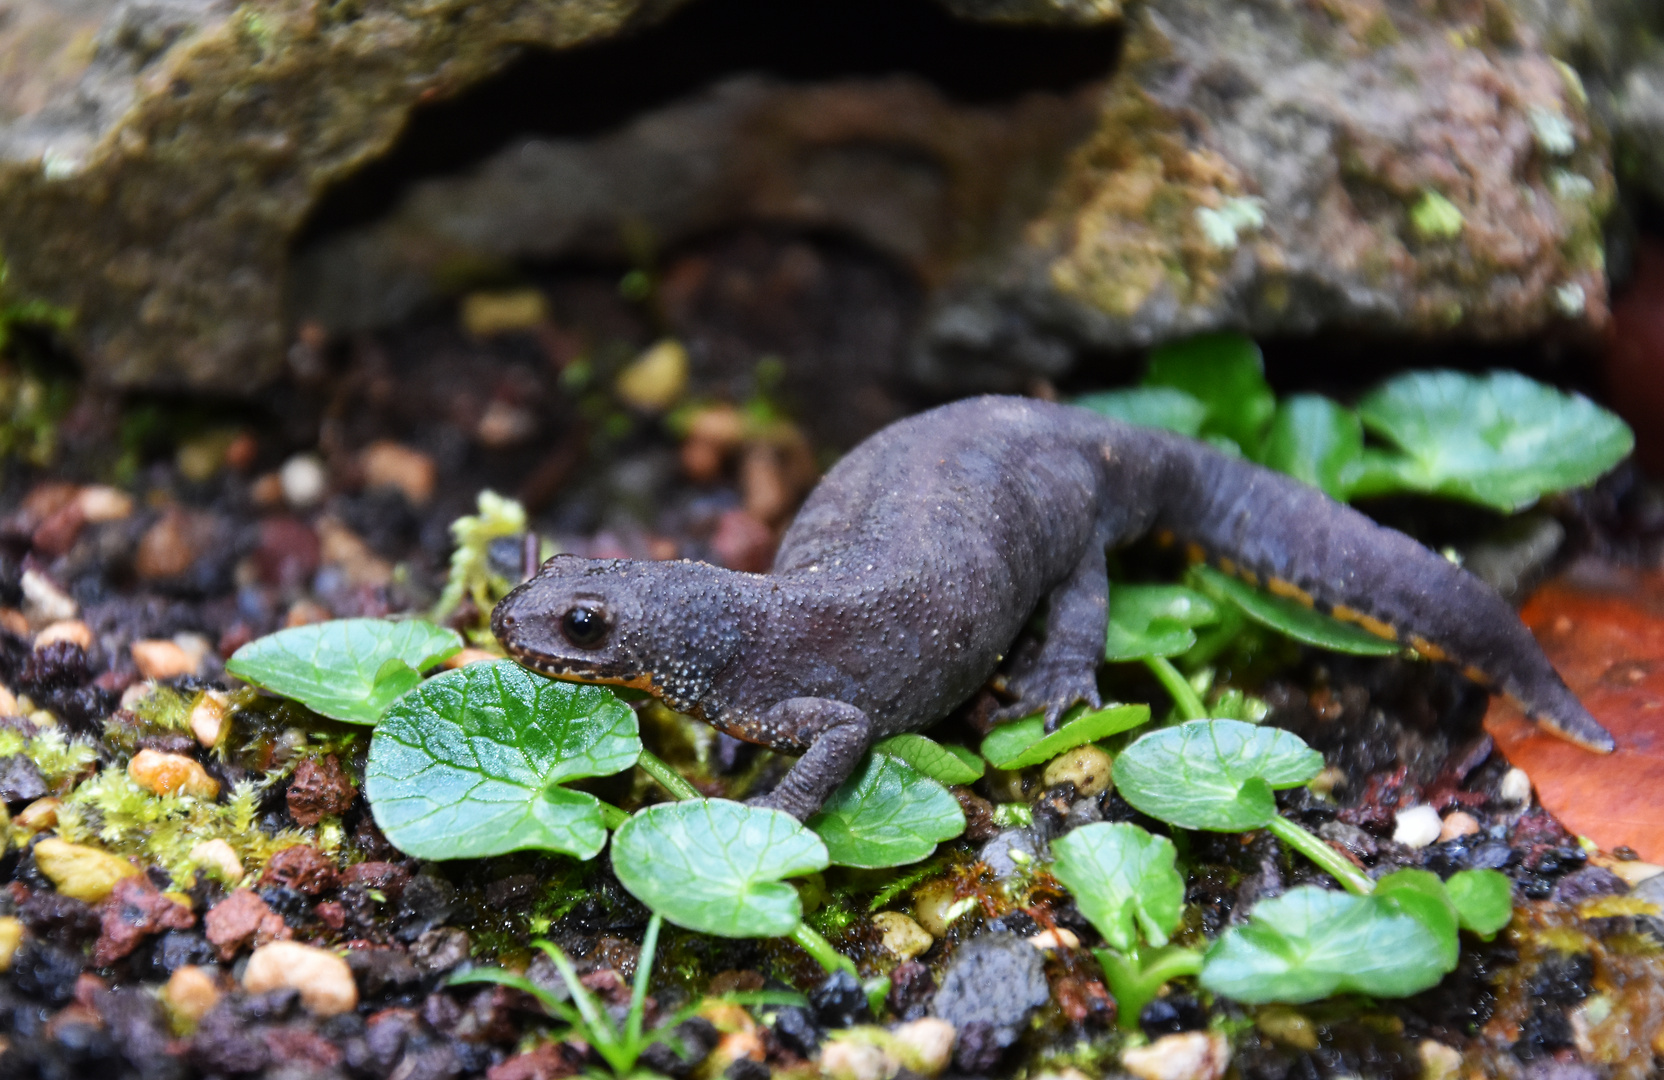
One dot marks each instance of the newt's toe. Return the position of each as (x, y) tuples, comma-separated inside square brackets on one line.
[(1052, 702)]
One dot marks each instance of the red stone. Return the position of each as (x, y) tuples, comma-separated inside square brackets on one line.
[(240, 919), (302, 868), (133, 911), (544, 1062), (320, 788)]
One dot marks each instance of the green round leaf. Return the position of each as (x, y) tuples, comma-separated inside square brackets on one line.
[(1226, 373), (947, 764), (716, 866), (1150, 406), (887, 814), (468, 764), (1213, 774), (1421, 895), (1315, 440), (1294, 619), (1154, 620), (1484, 900), (1310, 943), (1021, 743), (347, 669), (1123, 880), (1501, 440)]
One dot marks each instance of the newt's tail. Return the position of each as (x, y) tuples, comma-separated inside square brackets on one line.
[(1293, 539)]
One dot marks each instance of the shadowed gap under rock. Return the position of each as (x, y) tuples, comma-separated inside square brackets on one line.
[(594, 89)]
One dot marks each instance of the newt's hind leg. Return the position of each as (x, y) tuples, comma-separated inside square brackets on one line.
[(1063, 672)]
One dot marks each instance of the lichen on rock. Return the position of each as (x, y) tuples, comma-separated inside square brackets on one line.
[(1351, 126)]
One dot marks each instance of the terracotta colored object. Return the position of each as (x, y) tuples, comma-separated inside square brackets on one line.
[(1606, 636)]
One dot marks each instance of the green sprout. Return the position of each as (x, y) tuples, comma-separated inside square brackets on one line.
[(620, 1045)]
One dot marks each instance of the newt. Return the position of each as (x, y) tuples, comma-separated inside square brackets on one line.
[(922, 555)]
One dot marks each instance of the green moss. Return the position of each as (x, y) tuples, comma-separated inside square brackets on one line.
[(116, 813), (836, 915), (164, 711), (471, 575), (31, 404), (561, 893), (1435, 217), (59, 757), (905, 880)]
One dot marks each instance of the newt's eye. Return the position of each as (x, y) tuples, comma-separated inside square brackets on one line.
[(584, 626)]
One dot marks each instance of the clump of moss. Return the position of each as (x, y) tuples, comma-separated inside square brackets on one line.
[(164, 711), (471, 576), (113, 811), (60, 758)]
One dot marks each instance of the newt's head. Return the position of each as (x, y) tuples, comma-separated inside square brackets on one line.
[(664, 627)]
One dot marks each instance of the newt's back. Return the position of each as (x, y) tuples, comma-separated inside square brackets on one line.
[(1000, 487)]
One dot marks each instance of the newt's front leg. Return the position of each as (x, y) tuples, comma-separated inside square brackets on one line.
[(1064, 672), (838, 734)]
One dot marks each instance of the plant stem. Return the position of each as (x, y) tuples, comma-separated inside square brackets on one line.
[(1136, 978), (612, 817), (1327, 858), (1170, 962), (1189, 706), (644, 973), (877, 991), (821, 949), (668, 778)]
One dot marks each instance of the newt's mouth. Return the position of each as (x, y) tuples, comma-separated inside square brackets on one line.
[(562, 667)]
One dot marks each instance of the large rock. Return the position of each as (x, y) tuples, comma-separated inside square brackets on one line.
[(156, 192), (1261, 166), (1618, 48), (1265, 166)]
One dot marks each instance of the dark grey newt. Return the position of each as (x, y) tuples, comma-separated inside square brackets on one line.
[(924, 553)]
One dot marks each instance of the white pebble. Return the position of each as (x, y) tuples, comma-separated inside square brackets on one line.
[(72, 630), (100, 503), (303, 480), (1189, 1055), (924, 1046), (1515, 787), (1438, 1061), (134, 695), (323, 979), (44, 601), (1417, 826), (846, 1059), (219, 856), (208, 716), (902, 935)]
